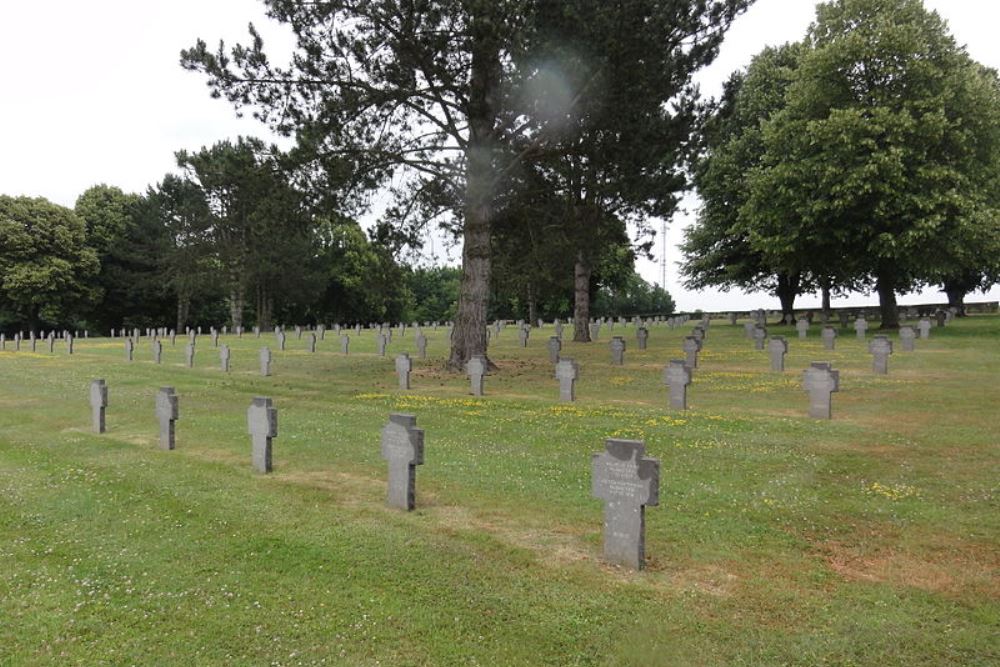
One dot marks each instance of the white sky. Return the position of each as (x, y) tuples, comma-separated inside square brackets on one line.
[(92, 92)]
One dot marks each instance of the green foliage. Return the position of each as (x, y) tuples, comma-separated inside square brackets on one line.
[(433, 293), (46, 266), (634, 297)]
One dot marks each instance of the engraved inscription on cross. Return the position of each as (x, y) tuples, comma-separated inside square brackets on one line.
[(262, 423), (403, 367), (167, 413), (403, 448), (691, 346), (626, 481), (567, 372), (820, 380), (677, 377), (98, 403)]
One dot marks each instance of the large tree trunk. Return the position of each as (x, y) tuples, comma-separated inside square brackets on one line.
[(581, 299), (183, 310), (237, 300), (886, 285), (468, 337), (788, 288), (532, 306), (825, 288), (956, 297), (265, 307)]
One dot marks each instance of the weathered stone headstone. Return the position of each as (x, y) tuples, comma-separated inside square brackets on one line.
[(861, 327), (262, 423), (759, 337), (691, 347), (699, 333), (345, 343), (617, 346), (925, 328), (788, 319), (224, 356), (626, 480), (748, 329), (403, 449), (880, 347), (829, 337), (50, 342), (595, 331), (642, 336), (476, 367), (559, 329), (820, 380), (129, 349), (907, 337), (941, 317), (215, 338), (380, 343), (802, 326), (157, 351), (173, 338), (421, 342), (677, 377), (522, 336), (264, 356), (403, 367), (167, 413), (189, 355), (567, 372), (280, 336), (98, 404), (311, 342), (554, 347), (69, 343), (777, 347)]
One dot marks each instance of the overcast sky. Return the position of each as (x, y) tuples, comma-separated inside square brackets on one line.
[(92, 93)]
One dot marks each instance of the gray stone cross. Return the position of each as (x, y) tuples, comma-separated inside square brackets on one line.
[(617, 346), (925, 328), (262, 424), (843, 318), (98, 403), (129, 349), (167, 413), (559, 329), (264, 357), (311, 342), (522, 336), (189, 355), (476, 368), (748, 328), (157, 351), (280, 336), (555, 347), (829, 336), (215, 338), (908, 337), (345, 343), (595, 331), (861, 327), (677, 377), (50, 342), (777, 348), (698, 332), (403, 367), (802, 326), (224, 356), (403, 448), (759, 336), (691, 347), (567, 372), (421, 342), (642, 336), (880, 348), (380, 343), (626, 480), (69, 343), (820, 380)]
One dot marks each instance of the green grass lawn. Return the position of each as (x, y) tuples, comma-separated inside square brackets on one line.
[(871, 539)]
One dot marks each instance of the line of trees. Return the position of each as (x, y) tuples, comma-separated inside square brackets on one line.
[(866, 157)]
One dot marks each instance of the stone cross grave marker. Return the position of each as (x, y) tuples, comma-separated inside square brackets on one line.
[(642, 336), (345, 343), (555, 347), (595, 331), (129, 349), (748, 329), (157, 351), (403, 367), (476, 368), (698, 332), (908, 337), (925, 328), (677, 377), (403, 449), (691, 347), (787, 319), (522, 336), (256, 332), (69, 343), (262, 424), (732, 319), (777, 348), (567, 372), (280, 336), (173, 338), (264, 357), (942, 318), (802, 326), (617, 346), (829, 336), (421, 342), (626, 480), (843, 318), (215, 338), (380, 343), (224, 356), (311, 342), (298, 332), (759, 336), (167, 413), (861, 327), (820, 380), (880, 348), (50, 342), (98, 404), (559, 329), (189, 355)]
